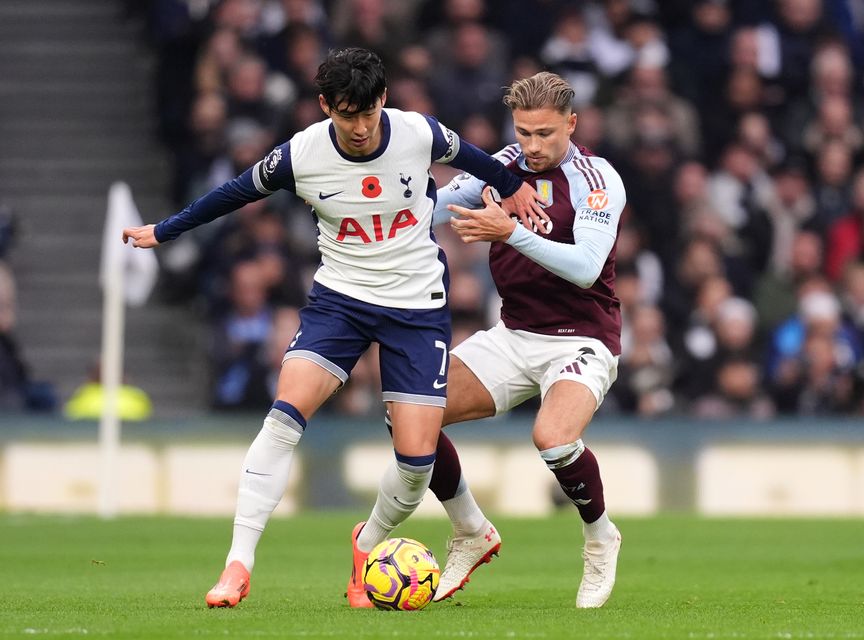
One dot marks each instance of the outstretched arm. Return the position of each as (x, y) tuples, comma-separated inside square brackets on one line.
[(266, 176)]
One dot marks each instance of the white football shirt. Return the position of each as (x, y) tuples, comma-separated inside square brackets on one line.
[(374, 212)]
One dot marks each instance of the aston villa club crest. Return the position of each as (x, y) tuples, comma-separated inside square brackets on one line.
[(408, 193), (544, 189)]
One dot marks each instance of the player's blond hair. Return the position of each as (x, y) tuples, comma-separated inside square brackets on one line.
[(541, 90)]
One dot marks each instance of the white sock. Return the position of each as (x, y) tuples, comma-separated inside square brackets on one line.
[(601, 530), (263, 481), (401, 490), (243, 545), (465, 515)]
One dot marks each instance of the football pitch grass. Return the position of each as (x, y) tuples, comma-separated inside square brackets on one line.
[(679, 577)]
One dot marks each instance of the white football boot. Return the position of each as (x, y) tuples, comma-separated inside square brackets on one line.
[(601, 561), (464, 554)]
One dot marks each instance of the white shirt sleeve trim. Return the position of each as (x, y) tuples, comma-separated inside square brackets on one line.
[(256, 179)]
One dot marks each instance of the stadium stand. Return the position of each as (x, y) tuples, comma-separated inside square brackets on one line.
[(738, 128), (75, 115)]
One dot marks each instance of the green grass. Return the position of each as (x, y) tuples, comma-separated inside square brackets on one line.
[(679, 577)]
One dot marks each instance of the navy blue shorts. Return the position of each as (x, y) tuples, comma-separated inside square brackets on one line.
[(335, 330)]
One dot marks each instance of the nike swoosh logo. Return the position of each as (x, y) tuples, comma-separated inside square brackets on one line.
[(322, 196), (255, 473), (438, 385)]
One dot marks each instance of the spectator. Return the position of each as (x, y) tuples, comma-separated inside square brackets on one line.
[(818, 382), (832, 185), (740, 191), (755, 134), (591, 131), (737, 394), (697, 348), (247, 93), (852, 296), (532, 20), (621, 39), (698, 40), (846, 236), (646, 370), (698, 217), (674, 120), (368, 24), (471, 83), (567, 52), (799, 26), (282, 19), (8, 227), (818, 320), (699, 261), (17, 390), (727, 333), (831, 75), (647, 172), (241, 16), (239, 344), (632, 251), (207, 144), (479, 130), (777, 292), (456, 14), (13, 373), (221, 52), (790, 210), (833, 122)]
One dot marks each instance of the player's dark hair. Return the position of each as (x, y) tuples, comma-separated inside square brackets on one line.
[(352, 79)]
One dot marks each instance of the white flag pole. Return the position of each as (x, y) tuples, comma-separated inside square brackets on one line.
[(117, 290), (112, 374)]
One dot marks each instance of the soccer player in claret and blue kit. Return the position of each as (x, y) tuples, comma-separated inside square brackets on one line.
[(382, 278), (559, 333)]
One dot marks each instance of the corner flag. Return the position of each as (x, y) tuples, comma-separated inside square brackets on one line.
[(139, 268), (126, 274)]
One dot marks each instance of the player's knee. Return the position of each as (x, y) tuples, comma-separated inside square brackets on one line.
[(548, 434), (549, 439)]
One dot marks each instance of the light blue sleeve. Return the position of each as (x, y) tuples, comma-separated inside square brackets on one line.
[(464, 190), (598, 198), (579, 263)]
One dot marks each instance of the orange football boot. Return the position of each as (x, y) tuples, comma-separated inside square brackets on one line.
[(232, 587), (356, 593)]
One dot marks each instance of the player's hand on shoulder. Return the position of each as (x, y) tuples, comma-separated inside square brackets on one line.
[(141, 237), (525, 203)]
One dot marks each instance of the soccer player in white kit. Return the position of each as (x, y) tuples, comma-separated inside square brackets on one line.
[(559, 334), (382, 278)]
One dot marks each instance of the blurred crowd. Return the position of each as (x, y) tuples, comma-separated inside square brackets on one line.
[(18, 390), (738, 128)]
